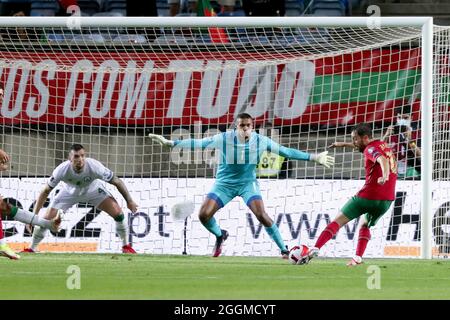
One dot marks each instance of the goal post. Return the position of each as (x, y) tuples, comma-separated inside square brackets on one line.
[(427, 133), (107, 82)]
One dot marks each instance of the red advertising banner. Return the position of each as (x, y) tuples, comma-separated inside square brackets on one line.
[(161, 89)]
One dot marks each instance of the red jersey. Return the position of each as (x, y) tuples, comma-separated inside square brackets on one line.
[(371, 189)]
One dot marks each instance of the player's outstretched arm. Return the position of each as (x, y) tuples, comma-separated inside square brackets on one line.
[(208, 142), (323, 159), (161, 140), (186, 143), (120, 185), (42, 198), (338, 144)]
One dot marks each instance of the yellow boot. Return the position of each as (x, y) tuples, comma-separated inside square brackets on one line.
[(6, 251)]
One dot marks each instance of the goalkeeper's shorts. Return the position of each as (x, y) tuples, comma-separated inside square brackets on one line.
[(373, 209), (224, 193)]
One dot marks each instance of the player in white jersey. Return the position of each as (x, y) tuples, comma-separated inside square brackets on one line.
[(83, 183)]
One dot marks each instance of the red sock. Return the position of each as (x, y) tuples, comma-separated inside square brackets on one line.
[(1, 227), (327, 234), (364, 237)]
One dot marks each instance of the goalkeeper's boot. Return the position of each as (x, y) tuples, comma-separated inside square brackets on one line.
[(28, 250), (219, 243), (6, 251), (56, 221), (285, 253), (128, 249), (356, 260)]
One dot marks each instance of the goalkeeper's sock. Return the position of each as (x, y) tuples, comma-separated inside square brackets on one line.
[(38, 235), (327, 234), (274, 233), (122, 228), (29, 218), (213, 227), (363, 239)]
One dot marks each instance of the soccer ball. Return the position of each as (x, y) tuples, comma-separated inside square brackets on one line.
[(182, 210), (298, 253)]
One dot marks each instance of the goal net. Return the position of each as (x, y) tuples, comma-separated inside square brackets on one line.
[(107, 83)]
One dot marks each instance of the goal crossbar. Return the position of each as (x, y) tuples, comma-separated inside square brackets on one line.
[(215, 22)]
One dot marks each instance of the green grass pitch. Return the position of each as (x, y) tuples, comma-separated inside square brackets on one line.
[(107, 276)]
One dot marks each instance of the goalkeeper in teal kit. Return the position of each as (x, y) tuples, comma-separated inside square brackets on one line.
[(240, 151)]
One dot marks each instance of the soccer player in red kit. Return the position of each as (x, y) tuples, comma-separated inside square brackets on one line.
[(375, 197)]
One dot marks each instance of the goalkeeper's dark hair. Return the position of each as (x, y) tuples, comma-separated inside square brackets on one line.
[(244, 115), (76, 147), (363, 129)]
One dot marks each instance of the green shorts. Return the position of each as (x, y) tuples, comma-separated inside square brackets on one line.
[(373, 209)]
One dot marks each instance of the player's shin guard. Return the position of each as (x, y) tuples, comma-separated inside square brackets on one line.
[(29, 218), (122, 228), (213, 227), (363, 239), (327, 234), (38, 235), (274, 233)]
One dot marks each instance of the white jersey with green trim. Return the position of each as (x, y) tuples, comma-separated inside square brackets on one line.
[(78, 183)]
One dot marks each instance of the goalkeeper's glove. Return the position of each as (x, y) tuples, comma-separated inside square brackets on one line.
[(323, 159), (161, 140)]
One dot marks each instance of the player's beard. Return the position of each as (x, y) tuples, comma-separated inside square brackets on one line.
[(358, 147), (78, 168), (361, 148)]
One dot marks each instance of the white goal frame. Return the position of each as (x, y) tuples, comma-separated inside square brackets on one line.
[(425, 23)]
